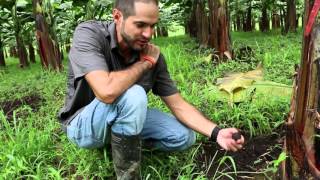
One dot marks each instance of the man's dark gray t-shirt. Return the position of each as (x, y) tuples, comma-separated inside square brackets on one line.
[(95, 47)]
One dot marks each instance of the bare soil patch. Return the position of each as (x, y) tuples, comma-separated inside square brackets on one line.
[(33, 101), (250, 162)]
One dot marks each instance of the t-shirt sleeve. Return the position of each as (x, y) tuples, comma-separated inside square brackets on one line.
[(164, 85), (86, 53)]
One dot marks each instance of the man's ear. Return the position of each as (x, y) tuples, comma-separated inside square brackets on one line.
[(117, 15)]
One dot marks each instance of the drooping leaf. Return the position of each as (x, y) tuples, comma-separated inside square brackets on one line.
[(238, 81), (240, 87)]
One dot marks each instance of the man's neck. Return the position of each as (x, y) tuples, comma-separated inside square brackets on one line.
[(126, 53), (124, 49)]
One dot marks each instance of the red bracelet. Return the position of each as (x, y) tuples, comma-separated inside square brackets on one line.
[(149, 59)]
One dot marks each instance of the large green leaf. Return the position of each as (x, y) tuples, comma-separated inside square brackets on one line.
[(240, 87), (238, 81)]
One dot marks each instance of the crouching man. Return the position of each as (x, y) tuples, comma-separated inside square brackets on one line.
[(112, 67)]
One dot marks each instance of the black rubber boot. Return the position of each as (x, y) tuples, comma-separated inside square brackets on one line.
[(126, 155)]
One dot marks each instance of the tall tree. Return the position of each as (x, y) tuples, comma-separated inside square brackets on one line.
[(2, 60), (48, 47), (220, 36), (201, 23), (291, 18), (190, 25), (275, 20), (18, 27), (32, 56), (264, 22), (3, 17), (248, 20)]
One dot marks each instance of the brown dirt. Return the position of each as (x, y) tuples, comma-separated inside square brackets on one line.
[(33, 101), (252, 159)]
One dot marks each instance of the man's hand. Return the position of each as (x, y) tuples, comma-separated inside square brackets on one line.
[(150, 54), (226, 139)]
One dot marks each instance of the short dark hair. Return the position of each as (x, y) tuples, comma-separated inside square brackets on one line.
[(127, 6)]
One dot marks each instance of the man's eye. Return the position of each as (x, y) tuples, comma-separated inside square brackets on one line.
[(140, 25)]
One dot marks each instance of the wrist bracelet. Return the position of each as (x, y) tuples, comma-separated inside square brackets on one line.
[(214, 134), (149, 59)]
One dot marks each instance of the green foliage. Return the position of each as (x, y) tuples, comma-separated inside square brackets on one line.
[(274, 165), (33, 146)]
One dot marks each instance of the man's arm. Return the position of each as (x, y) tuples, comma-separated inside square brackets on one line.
[(194, 119), (108, 86)]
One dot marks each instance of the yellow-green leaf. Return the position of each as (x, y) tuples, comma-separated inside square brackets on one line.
[(238, 81)]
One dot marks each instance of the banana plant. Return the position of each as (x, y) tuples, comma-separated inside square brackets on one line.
[(302, 141), (3, 33), (20, 15), (49, 51)]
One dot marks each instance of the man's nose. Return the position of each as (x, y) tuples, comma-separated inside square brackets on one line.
[(147, 32)]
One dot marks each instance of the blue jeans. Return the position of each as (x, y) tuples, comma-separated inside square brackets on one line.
[(128, 115)]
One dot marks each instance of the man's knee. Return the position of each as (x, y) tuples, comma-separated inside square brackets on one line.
[(132, 108), (181, 141), (134, 98), (189, 138)]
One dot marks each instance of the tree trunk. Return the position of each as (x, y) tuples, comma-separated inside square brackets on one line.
[(32, 57), (253, 24), (220, 35), (282, 19), (238, 23), (275, 20), (2, 60), (249, 18), (202, 23), (192, 28), (164, 31), (291, 24), (61, 53), (302, 141), (22, 52), (48, 48), (5, 53), (264, 25), (244, 25), (158, 31), (13, 51), (68, 45)]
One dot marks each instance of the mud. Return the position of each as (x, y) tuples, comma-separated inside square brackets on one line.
[(33, 101), (250, 162)]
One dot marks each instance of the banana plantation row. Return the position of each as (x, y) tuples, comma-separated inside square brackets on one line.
[(49, 24)]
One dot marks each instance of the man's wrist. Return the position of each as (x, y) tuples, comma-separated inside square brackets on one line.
[(214, 134), (146, 65), (148, 59)]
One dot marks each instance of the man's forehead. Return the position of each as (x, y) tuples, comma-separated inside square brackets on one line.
[(146, 5), (145, 13)]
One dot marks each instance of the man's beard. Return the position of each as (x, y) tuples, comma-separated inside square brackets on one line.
[(129, 40)]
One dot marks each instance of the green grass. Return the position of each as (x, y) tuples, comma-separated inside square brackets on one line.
[(33, 146)]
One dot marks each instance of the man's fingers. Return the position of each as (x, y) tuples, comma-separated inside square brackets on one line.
[(241, 140), (233, 148)]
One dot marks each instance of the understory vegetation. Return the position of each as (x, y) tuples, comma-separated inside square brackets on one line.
[(32, 145)]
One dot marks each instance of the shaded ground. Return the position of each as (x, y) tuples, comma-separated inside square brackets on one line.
[(250, 162), (33, 101)]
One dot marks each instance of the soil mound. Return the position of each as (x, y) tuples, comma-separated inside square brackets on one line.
[(33, 101)]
